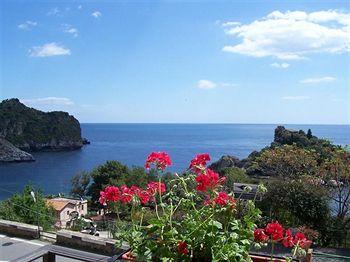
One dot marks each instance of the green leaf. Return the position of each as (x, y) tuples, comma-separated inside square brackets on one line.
[(216, 224)]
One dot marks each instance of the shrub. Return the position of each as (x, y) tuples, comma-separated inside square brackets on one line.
[(299, 203), (115, 173), (236, 175), (23, 208)]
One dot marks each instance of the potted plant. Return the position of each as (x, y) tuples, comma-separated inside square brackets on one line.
[(193, 219), (274, 234)]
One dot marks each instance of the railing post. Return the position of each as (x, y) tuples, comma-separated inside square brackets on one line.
[(308, 257), (49, 257)]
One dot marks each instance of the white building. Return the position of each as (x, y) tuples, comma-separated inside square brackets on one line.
[(64, 208)]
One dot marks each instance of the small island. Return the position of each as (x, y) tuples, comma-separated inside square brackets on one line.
[(24, 130)]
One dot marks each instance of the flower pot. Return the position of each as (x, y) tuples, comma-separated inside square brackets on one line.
[(259, 258)]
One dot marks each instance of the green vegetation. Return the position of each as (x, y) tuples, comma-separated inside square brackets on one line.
[(309, 176), (31, 129), (24, 208), (111, 173), (299, 203), (80, 184), (287, 162)]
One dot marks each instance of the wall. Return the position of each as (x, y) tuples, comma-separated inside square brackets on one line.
[(18, 229)]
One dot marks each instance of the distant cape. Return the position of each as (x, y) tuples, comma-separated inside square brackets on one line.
[(27, 129)]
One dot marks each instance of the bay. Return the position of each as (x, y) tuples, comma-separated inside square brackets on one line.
[(131, 143)]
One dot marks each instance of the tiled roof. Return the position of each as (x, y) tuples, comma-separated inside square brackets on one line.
[(58, 205)]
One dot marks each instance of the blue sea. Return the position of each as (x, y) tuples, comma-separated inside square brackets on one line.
[(131, 143)]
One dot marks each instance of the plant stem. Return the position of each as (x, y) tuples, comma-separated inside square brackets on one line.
[(205, 221), (160, 191), (186, 190), (272, 249), (117, 210)]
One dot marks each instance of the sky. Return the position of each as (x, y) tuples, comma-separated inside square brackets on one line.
[(179, 61)]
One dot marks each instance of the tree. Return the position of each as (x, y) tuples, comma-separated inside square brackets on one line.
[(298, 203), (309, 134), (287, 162), (117, 174), (336, 174), (23, 208), (80, 183)]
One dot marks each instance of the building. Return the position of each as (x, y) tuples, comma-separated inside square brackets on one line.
[(67, 208)]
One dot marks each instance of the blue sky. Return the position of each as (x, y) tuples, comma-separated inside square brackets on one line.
[(187, 62)]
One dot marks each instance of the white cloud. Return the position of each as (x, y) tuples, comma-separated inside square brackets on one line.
[(49, 49), (292, 35), (280, 65), (207, 84), (54, 12), (230, 23), (295, 97), (80, 7), (325, 79), (70, 30), (56, 101), (27, 25), (96, 14)]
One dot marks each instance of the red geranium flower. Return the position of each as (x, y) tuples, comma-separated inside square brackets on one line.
[(159, 159), (288, 239), (182, 247), (260, 236), (208, 180), (199, 162), (112, 193), (144, 196), (154, 188), (127, 194), (275, 230), (223, 199), (102, 199), (301, 240)]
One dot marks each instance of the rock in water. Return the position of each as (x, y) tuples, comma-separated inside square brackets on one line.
[(10, 153), (224, 162)]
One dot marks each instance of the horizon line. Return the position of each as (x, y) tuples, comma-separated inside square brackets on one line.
[(203, 123)]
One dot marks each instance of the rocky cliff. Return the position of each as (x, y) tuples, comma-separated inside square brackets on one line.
[(10, 153), (282, 136), (33, 130)]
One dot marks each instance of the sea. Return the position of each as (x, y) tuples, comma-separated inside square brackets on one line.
[(131, 143)]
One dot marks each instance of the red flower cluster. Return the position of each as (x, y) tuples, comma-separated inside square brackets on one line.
[(182, 247), (224, 199), (199, 162), (110, 194), (275, 232), (155, 188), (159, 159), (126, 194), (260, 236), (301, 240), (208, 180)]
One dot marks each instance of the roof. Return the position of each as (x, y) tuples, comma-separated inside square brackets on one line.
[(59, 203)]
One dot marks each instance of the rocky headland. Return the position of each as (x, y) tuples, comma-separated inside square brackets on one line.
[(24, 129), (282, 137)]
